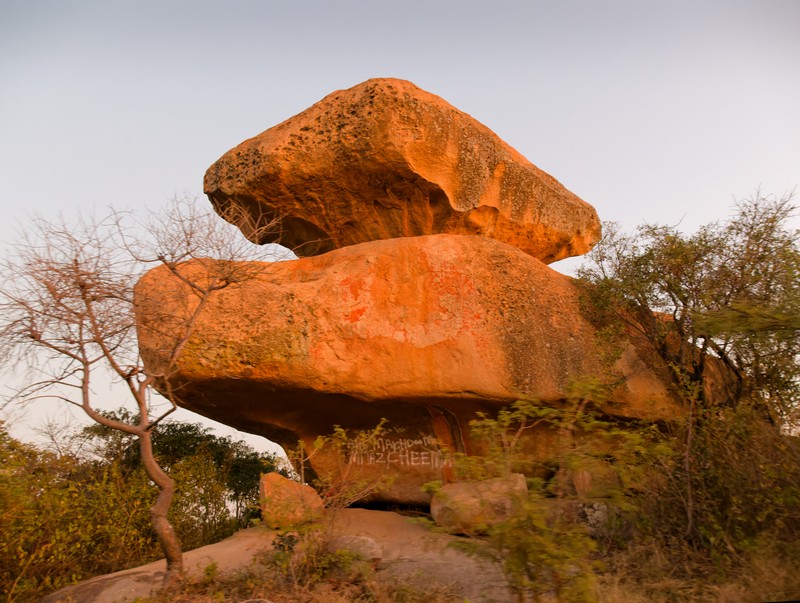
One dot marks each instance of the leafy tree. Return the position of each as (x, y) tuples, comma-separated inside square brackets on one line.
[(233, 466), (64, 520), (727, 295), (67, 308), (720, 307), (69, 515)]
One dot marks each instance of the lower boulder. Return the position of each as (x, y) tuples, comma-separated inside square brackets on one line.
[(424, 332)]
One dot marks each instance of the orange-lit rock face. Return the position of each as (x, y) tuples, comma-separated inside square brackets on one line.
[(386, 159), (423, 331)]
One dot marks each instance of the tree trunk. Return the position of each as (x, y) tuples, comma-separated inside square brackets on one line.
[(158, 512)]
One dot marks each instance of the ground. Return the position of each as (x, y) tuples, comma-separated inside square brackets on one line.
[(411, 552)]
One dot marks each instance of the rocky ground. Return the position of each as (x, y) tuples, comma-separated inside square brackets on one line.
[(409, 551)]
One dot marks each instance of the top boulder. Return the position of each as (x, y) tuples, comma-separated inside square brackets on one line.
[(386, 159)]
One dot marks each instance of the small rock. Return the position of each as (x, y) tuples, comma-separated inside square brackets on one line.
[(363, 546), (286, 503), (594, 515), (471, 507)]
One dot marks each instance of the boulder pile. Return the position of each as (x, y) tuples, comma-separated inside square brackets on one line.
[(421, 296)]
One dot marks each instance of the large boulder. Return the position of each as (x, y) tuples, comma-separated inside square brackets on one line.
[(423, 331), (386, 159)]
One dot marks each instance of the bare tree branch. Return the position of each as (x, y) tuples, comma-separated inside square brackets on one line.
[(67, 311)]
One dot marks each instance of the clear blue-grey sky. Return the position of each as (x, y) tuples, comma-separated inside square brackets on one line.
[(650, 111)]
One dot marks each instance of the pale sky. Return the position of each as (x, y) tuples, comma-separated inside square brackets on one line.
[(651, 111)]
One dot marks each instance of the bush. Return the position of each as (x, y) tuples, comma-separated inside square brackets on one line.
[(64, 521), (65, 517), (543, 549), (743, 477)]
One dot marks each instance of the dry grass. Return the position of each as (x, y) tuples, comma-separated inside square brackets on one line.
[(645, 574), (641, 574), (252, 587)]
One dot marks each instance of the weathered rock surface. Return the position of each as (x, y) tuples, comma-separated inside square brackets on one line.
[(423, 331), (386, 159), (365, 547), (594, 478)]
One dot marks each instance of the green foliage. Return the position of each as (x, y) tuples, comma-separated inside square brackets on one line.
[(306, 558), (66, 518), (725, 299), (541, 552), (63, 521), (744, 477), (201, 511), (543, 549), (501, 440), (573, 434), (231, 470), (720, 308)]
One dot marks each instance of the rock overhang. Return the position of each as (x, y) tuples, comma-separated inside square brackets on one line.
[(423, 331)]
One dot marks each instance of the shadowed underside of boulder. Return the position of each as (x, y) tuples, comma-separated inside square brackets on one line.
[(422, 331), (386, 159)]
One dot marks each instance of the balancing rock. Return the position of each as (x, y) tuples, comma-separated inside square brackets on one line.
[(385, 159)]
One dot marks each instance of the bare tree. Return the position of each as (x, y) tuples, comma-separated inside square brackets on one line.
[(67, 312)]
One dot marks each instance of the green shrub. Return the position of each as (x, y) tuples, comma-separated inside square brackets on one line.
[(543, 550), (64, 521), (65, 518)]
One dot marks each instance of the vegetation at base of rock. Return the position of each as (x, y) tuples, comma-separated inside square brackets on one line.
[(744, 479), (746, 485), (337, 479), (719, 491), (720, 307), (67, 516), (309, 557), (303, 565), (542, 549)]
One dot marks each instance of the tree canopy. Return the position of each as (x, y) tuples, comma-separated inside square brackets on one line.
[(80, 511), (721, 308), (237, 465), (728, 294)]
